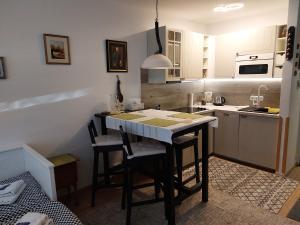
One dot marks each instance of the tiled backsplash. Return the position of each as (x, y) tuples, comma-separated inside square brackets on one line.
[(235, 92)]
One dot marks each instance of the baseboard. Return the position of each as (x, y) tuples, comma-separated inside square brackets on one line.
[(245, 163)]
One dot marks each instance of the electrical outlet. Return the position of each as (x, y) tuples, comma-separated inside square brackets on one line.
[(255, 98)]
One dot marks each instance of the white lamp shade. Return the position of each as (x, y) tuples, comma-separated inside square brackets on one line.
[(157, 61)]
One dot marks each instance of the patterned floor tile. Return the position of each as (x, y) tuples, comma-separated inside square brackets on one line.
[(259, 188)]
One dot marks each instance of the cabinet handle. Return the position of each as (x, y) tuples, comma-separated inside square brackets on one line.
[(226, 114), (244, 116)]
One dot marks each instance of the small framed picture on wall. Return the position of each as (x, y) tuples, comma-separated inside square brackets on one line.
[(116, 56), (57, 49), (2, 68)]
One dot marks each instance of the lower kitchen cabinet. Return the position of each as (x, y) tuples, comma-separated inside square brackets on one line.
[(226, 135), (258, 140)]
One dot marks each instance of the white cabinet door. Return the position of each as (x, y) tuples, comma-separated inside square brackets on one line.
[(226, 135), (258, 140), (248, 41), (259, 40), (225, 52), (193, 55)]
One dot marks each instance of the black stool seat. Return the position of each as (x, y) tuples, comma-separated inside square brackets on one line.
[(107, 140), (185, 139)]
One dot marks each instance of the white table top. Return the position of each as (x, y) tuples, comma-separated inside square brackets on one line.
[(163, 134)]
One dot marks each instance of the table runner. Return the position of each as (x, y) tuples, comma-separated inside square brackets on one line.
[(135, 126)]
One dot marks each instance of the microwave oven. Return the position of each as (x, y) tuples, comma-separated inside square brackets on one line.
[(254, 65)]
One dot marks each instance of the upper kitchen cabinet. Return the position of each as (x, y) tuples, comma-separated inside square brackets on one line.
[(198, 55), (172, 41), (249, 41), (193, 55), (281, 39)]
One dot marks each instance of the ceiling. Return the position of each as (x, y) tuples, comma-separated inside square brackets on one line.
[(201, 11)]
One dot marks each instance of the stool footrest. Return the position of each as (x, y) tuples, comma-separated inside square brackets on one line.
[(189, 179), (191, 190), (143, 185), (102, 185), (146, 202)]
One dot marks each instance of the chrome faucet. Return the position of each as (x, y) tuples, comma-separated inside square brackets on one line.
[(258, 94)]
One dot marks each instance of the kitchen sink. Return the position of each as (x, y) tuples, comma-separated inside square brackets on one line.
[(256, 110)]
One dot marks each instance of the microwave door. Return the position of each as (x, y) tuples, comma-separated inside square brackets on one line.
[(254, 69)]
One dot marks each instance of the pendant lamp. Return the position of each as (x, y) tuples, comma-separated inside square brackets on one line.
[(158, 60)]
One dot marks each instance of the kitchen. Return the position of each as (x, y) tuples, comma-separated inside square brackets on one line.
[(215, 129), (221, 75)]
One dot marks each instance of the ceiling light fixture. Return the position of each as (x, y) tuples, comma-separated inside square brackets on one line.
[(158, 60), (229, 7)]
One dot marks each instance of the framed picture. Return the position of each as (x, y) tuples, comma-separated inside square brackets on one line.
[(116, 56), (2, 68), (57, 49)]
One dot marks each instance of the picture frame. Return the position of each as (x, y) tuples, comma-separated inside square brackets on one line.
[(57, 49), (2, 68), (116, 56)]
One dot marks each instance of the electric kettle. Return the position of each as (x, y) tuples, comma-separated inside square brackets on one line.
[(219, 100)]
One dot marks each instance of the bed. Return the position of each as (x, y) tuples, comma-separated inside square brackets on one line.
[(39, 195)]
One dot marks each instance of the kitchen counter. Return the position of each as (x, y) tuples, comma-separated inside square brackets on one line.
[(232, 108)]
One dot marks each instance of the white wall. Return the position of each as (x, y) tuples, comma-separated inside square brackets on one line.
[(291, 94), (49, 106)]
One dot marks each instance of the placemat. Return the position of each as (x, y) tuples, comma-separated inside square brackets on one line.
[(160, 122), (127, 116), (186, 116)]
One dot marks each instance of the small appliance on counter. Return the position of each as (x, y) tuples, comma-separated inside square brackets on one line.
[(219, 101), (191, 99), (134, 104), (208, 96)]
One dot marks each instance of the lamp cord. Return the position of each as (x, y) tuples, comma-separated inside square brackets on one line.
[(157, 31), (156, 10)]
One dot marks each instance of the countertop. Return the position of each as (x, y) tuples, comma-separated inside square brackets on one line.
[(232, 108)]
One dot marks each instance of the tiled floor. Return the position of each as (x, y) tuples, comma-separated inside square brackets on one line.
[(222, 207), (259, 188)]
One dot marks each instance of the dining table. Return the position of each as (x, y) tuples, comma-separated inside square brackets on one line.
[(164, 126)]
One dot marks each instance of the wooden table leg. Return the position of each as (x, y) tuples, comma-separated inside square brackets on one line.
[(205, 163), (170, 185)]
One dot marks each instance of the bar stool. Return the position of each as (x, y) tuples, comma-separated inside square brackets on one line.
[(104, 144), (137, 154), (180, 144)]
